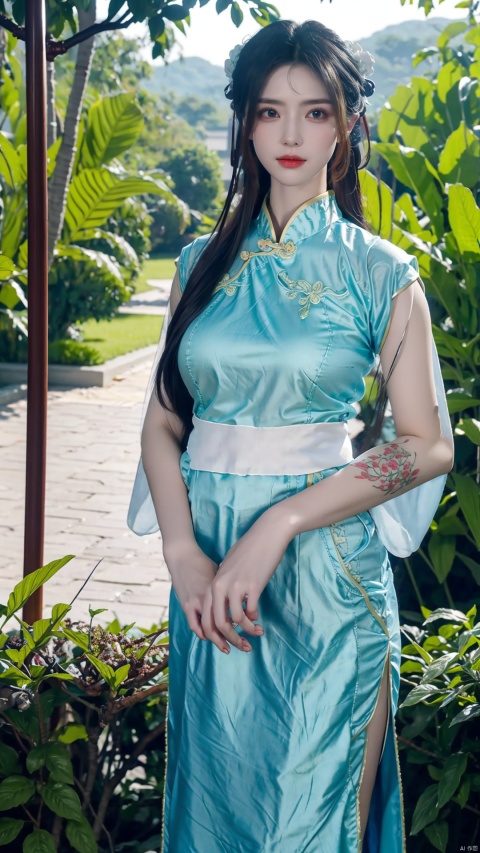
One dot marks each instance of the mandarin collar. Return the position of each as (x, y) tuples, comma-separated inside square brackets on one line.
[(310, 217)]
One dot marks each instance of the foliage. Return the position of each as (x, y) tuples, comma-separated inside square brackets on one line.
[(427, 205), (82, 711), (73, 352), (442, 666), (427, 139), (196, 173)]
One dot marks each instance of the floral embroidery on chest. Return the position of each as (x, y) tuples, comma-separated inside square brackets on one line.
[(266, 247), (312, 293)]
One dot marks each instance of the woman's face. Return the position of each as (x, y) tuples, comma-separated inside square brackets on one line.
[(295, 118)]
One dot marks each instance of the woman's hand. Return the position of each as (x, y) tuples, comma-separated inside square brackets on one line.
[(192, 573), (244, 573)]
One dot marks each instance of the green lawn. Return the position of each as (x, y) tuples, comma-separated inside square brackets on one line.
[(124, 333), (163, 267)]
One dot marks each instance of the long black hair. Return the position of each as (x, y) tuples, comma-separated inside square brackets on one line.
[(281, 43)]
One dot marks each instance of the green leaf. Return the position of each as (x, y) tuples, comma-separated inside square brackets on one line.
[(9, 829), (81, 837), (439, 666), (465, 714), (62, 800), (458, 401), (377, 198), (459, 158), (78, 637), (472, 565), (9, 763), (175, 12), (14, 791), (59, 611), (236, 14), (94, 194), (455, 616), (106, 671), (426, 809), (94, 613), (25, 588), (15, 676), (463, 792), (437, 834), (114, 124), (121, 674), (450, 31), (41, 630), (11, 294), (469, 427), (58, 763), (415, 171), (420, 694), (156, 25), (452, 773), (469, 499), (10, 167), (71, 733), (464, 218), (36, 758), (441, 550), (40, 841)]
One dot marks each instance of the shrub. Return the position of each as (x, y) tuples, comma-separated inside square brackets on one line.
[(82, 713), (437, 734)]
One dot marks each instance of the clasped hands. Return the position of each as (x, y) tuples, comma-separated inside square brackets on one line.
[(243, 574)]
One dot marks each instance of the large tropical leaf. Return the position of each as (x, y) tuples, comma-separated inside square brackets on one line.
[(114, 124), (377, 199), (464, 217), (415, 171), (459, 159), (94, 194), (10, 168)]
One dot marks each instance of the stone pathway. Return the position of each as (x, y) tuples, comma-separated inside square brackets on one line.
[(93, 451), (151, 301)]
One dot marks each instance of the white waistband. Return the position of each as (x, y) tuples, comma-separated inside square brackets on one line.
[(295, 449)]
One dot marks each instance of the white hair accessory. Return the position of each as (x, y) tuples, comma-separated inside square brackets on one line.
[(364, 59), (231, 62)]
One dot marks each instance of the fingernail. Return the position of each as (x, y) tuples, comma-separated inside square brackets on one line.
[(226, 650), (246, 647), (258, 629)]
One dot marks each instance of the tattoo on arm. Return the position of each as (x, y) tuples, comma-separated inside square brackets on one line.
[(391, 470)]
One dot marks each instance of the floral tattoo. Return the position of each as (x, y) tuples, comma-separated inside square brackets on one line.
[(391, 470)]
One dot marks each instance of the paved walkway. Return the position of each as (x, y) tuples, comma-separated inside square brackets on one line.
[(93, 451)]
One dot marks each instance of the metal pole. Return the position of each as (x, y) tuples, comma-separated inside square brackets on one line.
[(37, 198)]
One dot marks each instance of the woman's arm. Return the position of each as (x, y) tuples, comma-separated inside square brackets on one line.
[(191, 570), (418, 454), (161, 438)]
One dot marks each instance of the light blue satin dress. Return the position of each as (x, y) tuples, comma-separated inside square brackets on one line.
[(266, 750)]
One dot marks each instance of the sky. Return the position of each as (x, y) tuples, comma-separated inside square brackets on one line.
[(213, 36)]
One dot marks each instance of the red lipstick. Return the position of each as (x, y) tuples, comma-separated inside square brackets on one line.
[(290, 161)]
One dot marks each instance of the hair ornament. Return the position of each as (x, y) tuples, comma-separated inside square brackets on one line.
[(363, 58), (231, 62)]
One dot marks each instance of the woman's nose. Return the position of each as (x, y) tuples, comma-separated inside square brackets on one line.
[(291, 134)]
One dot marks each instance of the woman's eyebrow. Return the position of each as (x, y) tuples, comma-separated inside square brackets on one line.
[(302, 103)]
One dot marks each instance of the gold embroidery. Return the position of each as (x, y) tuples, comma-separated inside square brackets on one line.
[(313, 293), (267, 247)]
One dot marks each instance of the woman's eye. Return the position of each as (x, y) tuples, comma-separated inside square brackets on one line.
[(268, 110), (319, 113)]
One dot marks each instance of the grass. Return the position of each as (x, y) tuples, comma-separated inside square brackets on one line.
[(163, 267), (125, 333)]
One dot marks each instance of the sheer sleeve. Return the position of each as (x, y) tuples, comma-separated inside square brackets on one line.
[(403, 521)]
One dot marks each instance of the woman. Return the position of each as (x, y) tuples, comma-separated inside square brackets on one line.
[(275, 537)]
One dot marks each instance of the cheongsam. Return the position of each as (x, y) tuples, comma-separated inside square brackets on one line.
[(266, 749)]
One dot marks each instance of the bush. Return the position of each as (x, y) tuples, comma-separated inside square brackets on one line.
[(73, 352), (441, 744), (82, 712)]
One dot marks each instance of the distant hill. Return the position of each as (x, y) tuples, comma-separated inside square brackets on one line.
[(392, 48)]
